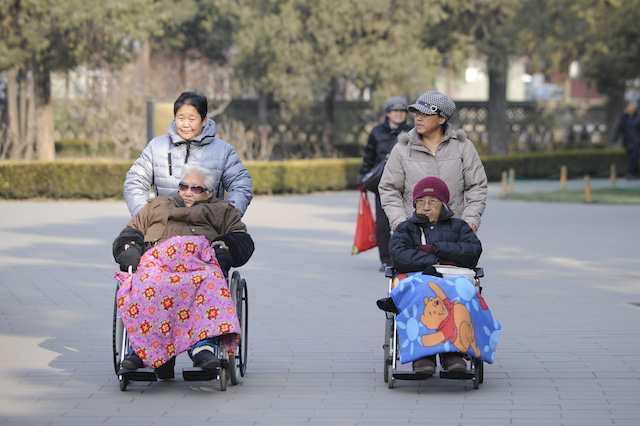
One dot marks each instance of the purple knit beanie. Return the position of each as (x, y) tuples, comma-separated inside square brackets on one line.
[(431, 186)]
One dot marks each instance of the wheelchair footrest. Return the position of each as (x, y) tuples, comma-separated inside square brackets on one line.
[(410, 375), (199, 374), (139, 375), (457, 375)]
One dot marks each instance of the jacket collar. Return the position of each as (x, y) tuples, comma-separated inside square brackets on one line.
[(207, 136), (448, 214), (178, 201), (412, 139)]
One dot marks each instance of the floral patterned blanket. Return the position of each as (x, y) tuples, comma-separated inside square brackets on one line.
[(177, 297)]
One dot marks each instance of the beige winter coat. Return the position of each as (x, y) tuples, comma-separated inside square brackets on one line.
[(456, 162)]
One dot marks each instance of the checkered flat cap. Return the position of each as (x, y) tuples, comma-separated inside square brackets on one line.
[(432, 103)]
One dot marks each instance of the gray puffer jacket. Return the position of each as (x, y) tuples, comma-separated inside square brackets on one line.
[(160, 166), (456, 162)]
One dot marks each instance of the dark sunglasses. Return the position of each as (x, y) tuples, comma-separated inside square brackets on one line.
[(196, 189)]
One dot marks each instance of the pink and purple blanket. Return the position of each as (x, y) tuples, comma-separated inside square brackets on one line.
[(177, 297)]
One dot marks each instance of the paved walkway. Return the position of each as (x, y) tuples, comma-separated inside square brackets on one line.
[(564, 281)]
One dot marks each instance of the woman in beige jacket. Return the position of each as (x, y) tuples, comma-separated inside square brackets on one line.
[(433, 148)]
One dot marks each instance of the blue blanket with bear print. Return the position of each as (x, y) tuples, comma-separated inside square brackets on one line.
[(439, 315)]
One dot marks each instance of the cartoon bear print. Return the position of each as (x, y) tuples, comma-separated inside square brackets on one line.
[(450, 320)]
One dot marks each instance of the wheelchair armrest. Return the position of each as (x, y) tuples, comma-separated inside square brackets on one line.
[(389, 271)]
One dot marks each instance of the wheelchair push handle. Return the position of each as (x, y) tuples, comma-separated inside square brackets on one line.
[(390, 272)]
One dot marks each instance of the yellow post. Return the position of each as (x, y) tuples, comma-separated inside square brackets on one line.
[(563, 177), (504, 184), (614, 174), (587, 189), (512, 178)]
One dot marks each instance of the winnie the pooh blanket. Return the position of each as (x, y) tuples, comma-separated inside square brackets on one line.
[(439, 315)]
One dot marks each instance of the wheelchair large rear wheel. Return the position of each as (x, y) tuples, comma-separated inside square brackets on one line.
[(238, 360), (118, 329), (388, 341)]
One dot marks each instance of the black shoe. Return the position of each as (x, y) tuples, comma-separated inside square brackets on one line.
[(205, 359), (387, 305), (165, 371), (132, 362)]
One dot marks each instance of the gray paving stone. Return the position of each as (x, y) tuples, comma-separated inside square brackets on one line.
[(560, 278)]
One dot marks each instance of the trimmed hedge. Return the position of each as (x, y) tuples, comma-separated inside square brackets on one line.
[(62, 179), (103, 179), (547, 164)]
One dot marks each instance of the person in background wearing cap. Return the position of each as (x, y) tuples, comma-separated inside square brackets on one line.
[(433, 148), (434, 236), (381, 140)]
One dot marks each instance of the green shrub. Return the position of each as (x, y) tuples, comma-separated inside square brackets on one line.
[(62, 179), (66, 179), (547, 164)]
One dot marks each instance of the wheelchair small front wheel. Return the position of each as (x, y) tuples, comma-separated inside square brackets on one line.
[(223, 379), (478, 373), (123, 382), (389, 374)]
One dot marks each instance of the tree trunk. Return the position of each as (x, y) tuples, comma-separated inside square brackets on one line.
[(27, 114), (497, 122), (614, 110), (45, 148), (11, 148), (264, 151), (327, 131), (28, 125), (145, 64)]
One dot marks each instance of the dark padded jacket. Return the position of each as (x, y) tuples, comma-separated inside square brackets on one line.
[(381, 141), (455, 241), (629, 128)]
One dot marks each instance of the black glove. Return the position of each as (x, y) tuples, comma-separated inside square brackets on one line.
[(430, 270), (224, 259), (129, 257)]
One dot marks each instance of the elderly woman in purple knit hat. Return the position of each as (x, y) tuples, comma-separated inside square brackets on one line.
[(433, 236)]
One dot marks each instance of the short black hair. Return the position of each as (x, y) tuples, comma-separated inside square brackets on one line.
[(195, 99)]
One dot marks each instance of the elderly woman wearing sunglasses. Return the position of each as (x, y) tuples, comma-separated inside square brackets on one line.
[(434, 148), (183, 246), (191, 211)]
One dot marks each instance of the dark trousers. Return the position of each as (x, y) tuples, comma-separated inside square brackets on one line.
[(383, 232), (632, 154)]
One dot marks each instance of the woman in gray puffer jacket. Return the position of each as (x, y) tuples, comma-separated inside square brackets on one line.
[(191, 139)]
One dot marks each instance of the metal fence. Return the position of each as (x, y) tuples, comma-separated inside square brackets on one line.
[(537, 126)]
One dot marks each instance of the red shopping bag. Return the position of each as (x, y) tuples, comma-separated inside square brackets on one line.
[(365, 227)]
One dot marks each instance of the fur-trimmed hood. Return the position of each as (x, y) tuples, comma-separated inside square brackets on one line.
[(449, 133)]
